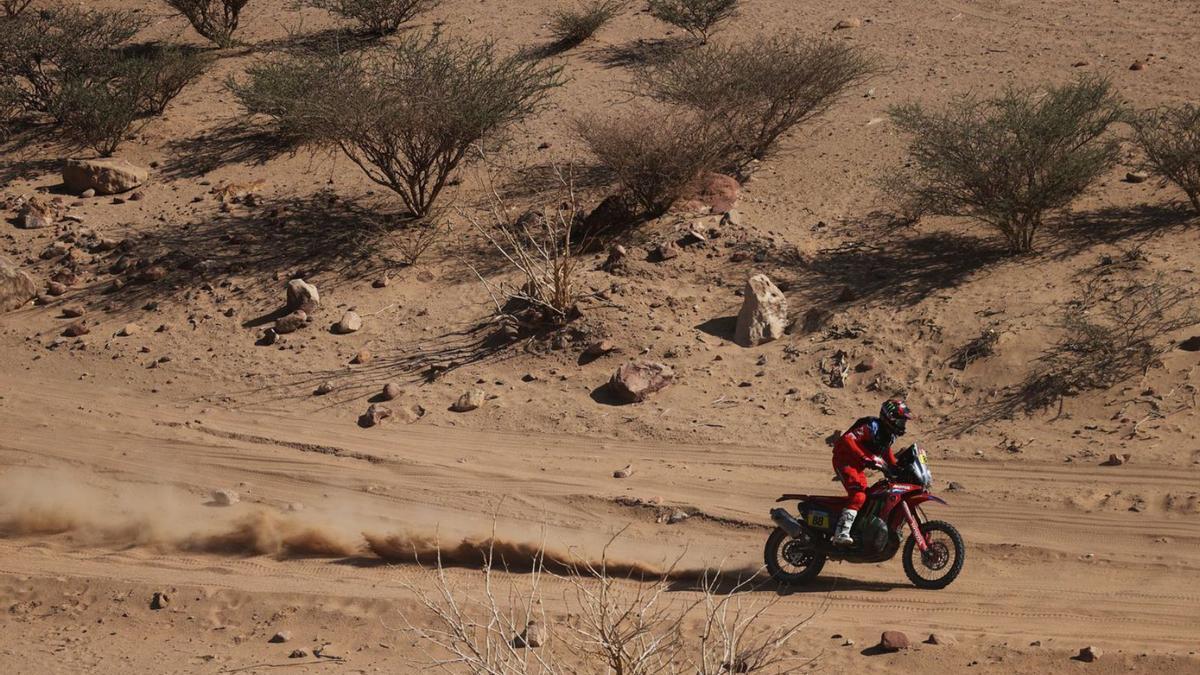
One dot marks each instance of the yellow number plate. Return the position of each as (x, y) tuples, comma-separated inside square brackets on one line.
[(818, 520)]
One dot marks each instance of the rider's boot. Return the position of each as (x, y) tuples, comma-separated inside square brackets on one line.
[(841, 536)]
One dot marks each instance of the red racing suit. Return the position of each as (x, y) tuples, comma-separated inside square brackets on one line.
[(855, 450)]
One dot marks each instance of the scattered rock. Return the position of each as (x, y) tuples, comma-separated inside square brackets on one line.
[(350, 323), (865, 366), (302, 295), (128, 330), (72, 312), (36, 214), (76, 329), (617, 255), (391, 391), (362, 356), (532, 637), (280, 637), (269, 337), (1191, 344), (634, 381), (1137, 177), (17, 286), (381, 282), (599, 348), (152, 274), (666, 251), (624, 473), (955, 487), (941, 639), (225, 497), (105, 176), (678, 516), (1113, 460), (298, 654), (1137, 65), (733, 219), (88, 193), (471, 399), (848, 643), (375, 415), (763, 316), (1088, 654), (291, 322), (55, 288), (848, 23), (893, 641), (328, 651), (159, 600)]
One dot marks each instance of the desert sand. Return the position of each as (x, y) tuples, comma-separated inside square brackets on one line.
[(112, 443)]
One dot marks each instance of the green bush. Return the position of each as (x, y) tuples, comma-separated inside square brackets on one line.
[(407, 114), (655, 158), (41, 50), (758, 91), (1170, 140), (99, 112), (216, 20), (161, 73), (1011, 160), (377, 17), (698, 17), (571, 27)]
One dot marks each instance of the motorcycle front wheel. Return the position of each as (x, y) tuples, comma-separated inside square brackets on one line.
[(791, 561), (942, 560)]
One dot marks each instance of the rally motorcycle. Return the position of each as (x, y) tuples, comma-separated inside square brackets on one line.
[(933, 553)]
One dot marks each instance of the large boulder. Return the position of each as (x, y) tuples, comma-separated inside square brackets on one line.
[(893, 641), (714, 192), (302, 295), (472, 399), (633, 382), (105, 176), (763, 316), (17, 287)]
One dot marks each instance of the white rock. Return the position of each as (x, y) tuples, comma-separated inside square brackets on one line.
[(764, 312)]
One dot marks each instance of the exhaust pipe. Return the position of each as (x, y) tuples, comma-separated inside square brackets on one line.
[(787, 523)]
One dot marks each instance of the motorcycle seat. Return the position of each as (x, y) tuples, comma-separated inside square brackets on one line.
[(827, 501)]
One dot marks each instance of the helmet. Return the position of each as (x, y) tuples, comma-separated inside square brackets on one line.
[(894, 414)]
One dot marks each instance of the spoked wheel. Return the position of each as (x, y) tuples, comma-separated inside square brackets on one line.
[(792, 561), (941, 562)]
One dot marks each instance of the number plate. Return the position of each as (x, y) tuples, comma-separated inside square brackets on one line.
[(818, 519)]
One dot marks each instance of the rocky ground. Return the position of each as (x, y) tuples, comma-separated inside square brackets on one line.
[(166, 357)]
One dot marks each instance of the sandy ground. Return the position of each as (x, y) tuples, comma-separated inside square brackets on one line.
[(110, 446)]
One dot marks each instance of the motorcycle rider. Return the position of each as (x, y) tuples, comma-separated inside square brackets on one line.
[(867, 443)]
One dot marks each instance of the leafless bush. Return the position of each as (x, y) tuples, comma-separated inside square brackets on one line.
[(10, 109), (13, 8), (216, 20), (655, 158), (698, 17), (377, 17), (572, 26), (978, 348), (408, 114), (1011, 160), (616, 626), (162, 74), (1170, 139), (756, 92), (539, 246), (415, 239), (42, 50)]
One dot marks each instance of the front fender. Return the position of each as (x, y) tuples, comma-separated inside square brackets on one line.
[(917, 501)]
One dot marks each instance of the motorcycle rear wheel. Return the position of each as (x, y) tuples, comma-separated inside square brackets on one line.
[(945, 555), (783, 553)]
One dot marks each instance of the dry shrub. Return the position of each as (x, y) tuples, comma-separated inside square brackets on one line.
[(978, 348), (1012, 160), (408, 114), (42, 50), (540, 247), (758, 91), (655, 158), (377, 17), (414, 239), (10, 109), (613, 625), (698, 17), (163, 73), (216, 20), (14, 8), (1170, 140), (572, 26)]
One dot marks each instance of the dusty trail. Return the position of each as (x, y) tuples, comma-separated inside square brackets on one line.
[(141, 474)]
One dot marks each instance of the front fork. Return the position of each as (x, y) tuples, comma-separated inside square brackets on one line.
[(915, 527)]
